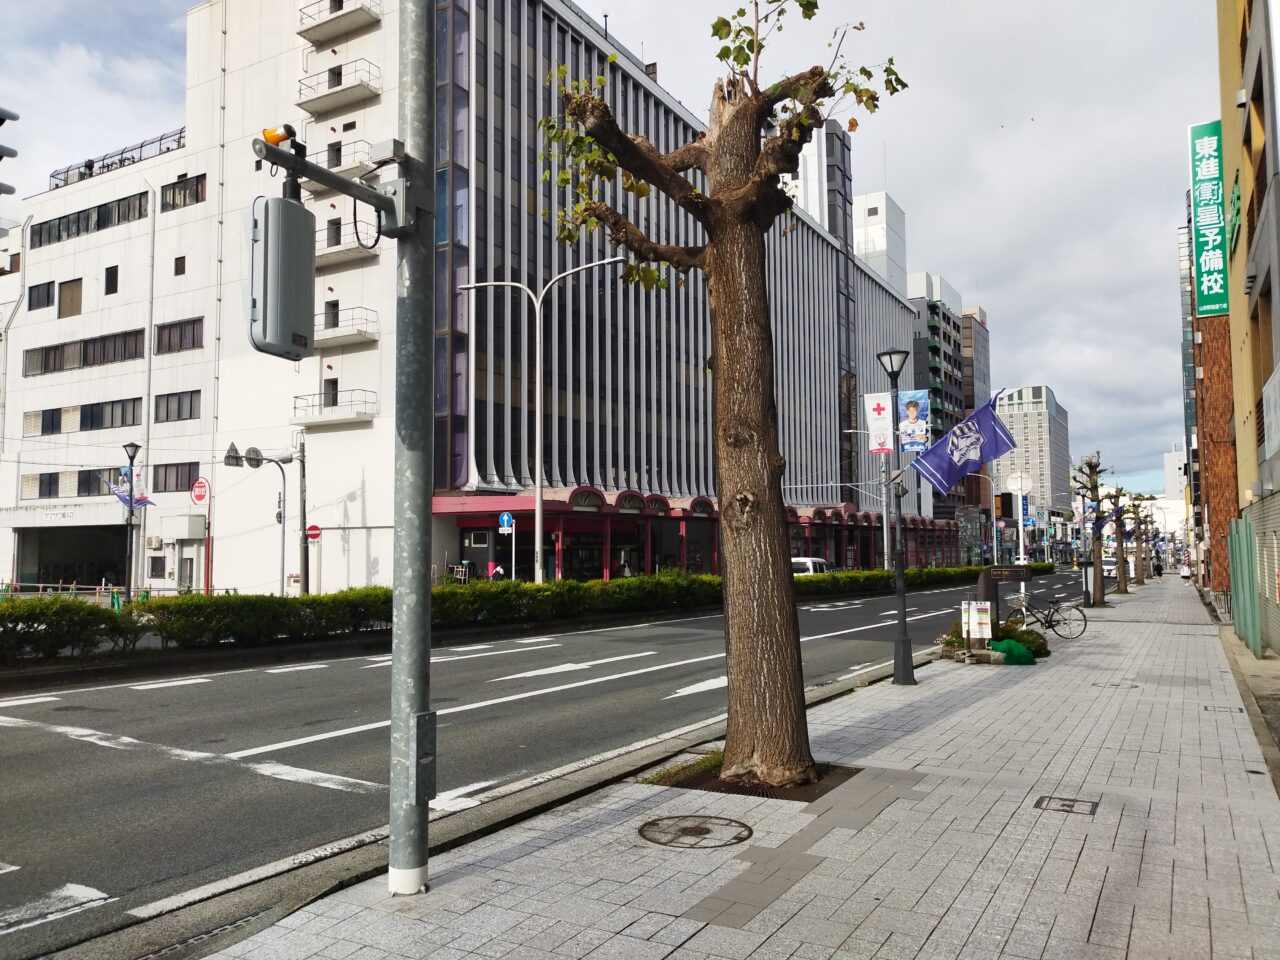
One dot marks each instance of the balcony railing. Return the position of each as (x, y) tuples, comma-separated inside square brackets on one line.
[(350, 326), (334, 407), (345, 241), (349, 159), (326, 20), (935, 343), (340, 86), (173, 140)]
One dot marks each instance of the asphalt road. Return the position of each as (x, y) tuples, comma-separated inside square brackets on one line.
[(118, 800)]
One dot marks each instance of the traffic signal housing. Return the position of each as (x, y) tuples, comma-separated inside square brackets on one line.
[(6, 151)]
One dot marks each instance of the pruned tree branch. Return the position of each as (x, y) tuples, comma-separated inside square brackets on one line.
[(800, 87), (692, 156), (635, 155), (625, 233)]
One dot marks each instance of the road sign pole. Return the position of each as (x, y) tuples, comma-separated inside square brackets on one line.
[(513, 551)]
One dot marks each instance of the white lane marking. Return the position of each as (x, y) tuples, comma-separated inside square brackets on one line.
[(569, 667), (535, 640), (471, 656), (457, 799), (257, 874), (715, 683), (278, 771), (314, 738), (894, 612), (477, 646), (24, 701), (66, 900), (305, 666), (872, 626), (7, 868), (169, 683), (315, 778), (858, 668)]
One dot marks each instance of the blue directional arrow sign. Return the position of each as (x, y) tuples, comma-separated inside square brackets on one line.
[(506, 522)]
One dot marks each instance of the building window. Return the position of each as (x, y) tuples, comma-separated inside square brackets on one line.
[(93, 483), (50, 421), (333, 232), (348, 126), (69, 298), (183, 192), (330, 314), (155, 568), (873, 211), (48, 486), (111, 282), (112, 348), (111, 413), (178, 406), (180, 335), (40, 295), (173, 477), (179, 266), (330, 397), (102, 217)]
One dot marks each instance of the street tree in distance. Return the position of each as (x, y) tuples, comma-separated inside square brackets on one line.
[(1087, 474), (1117, 497), (729, 181)]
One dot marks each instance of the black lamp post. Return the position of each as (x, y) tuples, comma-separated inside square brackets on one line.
[(893, 362), (130, 451)]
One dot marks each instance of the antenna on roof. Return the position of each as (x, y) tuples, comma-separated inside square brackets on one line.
[(606, 23)]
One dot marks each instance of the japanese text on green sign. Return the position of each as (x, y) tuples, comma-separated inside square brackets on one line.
[(1208, 219)]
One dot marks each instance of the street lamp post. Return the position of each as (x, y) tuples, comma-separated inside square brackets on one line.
[(537, 300), (131, 451), (254, 458), (903, 671)]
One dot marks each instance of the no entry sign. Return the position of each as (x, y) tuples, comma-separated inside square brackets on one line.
[(313, 532), (200, 491)]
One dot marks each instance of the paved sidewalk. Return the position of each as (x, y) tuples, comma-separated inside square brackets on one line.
[(972, 832)]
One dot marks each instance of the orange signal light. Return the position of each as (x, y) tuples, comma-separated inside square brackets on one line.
[(278, 135)]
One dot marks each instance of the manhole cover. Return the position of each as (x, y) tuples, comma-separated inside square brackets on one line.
[(1117, 683), (695, 832), (1222, 709), (1067, 805)]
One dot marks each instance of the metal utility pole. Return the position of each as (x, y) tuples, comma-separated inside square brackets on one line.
[(304, 554), (413, 723), (407, 208)]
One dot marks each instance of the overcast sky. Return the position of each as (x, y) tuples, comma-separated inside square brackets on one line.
[(1040, 155)]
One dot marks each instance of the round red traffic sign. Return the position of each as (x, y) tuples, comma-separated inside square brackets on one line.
[(313, 532), (200, 491)]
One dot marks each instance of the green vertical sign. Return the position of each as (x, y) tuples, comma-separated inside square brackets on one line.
[(1208, 219)]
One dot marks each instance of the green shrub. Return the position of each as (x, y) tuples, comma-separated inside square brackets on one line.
[(49, 625)]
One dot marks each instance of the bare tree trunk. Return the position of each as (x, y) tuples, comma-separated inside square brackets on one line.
[(1099, 582), (766, 737), (1122, 559), (1138, 552)]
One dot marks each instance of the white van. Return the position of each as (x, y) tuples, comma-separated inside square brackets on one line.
[(806, 566)]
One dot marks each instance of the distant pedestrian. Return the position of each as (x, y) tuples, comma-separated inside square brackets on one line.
[(1159, 568), (1185, 573)]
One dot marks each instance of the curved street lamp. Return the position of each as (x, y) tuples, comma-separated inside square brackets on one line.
[(893, 362), (131, 451)]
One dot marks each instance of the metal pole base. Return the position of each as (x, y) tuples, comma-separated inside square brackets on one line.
[(403, 881)]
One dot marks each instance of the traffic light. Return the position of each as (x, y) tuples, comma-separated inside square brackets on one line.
[(6, 151), (282, 278)]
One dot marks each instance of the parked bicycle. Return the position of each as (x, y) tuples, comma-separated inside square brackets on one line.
[(1067, 620)]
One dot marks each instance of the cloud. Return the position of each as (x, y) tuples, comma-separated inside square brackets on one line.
[(1040, 155), (86, 78)]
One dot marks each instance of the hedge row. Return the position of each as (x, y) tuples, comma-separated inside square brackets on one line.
[(51, 625)]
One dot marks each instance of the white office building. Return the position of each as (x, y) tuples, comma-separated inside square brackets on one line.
[(124, 318), (1040, 427)]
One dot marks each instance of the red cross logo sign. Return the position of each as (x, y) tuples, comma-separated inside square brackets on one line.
[(878, 410)]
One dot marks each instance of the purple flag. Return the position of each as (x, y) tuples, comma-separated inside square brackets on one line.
[(977, 439)]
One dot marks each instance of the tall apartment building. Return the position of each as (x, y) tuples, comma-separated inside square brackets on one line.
[(937, 356), (133, 264), (1041, 429)]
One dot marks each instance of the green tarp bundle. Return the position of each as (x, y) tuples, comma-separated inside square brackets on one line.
[(1015, 654)]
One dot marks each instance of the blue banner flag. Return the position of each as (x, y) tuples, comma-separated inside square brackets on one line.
[(977, 439), (1106, 518)]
